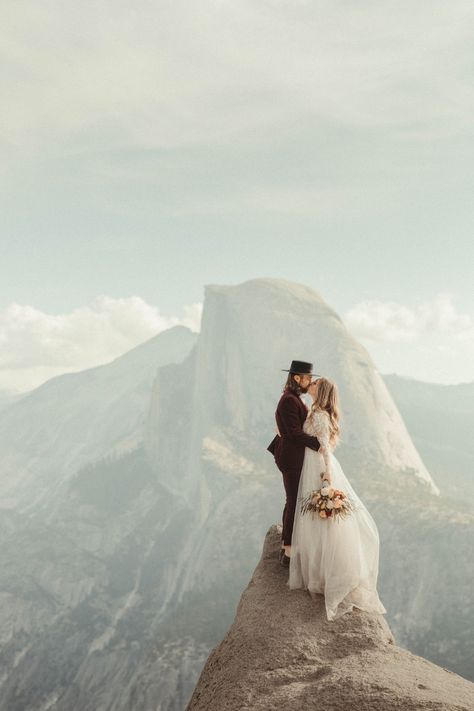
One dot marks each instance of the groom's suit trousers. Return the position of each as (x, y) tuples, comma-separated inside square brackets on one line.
[(288, 448), (291, 479)]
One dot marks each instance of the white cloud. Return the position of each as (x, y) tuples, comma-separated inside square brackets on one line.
[(388, 321), (36, 346), (431, 341), (192, 316)]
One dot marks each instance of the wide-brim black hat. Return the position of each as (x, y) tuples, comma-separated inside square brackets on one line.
[(301, 368)]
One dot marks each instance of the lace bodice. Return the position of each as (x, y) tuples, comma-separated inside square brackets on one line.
[(317, 424)]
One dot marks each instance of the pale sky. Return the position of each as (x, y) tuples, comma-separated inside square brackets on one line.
[(150, 148)]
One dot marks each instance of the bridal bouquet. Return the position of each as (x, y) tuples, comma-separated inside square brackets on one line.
[(328, 502)]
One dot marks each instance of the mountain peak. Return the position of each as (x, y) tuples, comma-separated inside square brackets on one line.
[(251, 331), (273, 285), (281, 652)]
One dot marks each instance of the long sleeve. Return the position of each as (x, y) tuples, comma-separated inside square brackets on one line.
[(290, 426), (319, 424)]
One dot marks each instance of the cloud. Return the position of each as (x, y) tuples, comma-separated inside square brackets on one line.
[(36, 346), (388, 321), (432, 342)]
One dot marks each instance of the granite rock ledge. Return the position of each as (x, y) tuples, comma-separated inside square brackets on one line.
[(281, 653)]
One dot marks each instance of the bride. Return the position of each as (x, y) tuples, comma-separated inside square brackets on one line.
[(336, 558)]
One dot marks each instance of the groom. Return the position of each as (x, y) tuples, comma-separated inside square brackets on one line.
[(289, 445)]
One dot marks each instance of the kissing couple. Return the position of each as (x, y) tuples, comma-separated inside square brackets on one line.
[(334, 556)]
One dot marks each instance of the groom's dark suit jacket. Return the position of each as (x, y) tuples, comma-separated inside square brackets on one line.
[(288, 449)]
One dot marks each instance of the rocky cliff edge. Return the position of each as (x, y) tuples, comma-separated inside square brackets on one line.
[(281, 653)]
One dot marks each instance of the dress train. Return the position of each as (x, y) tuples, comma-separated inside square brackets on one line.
[(336, 557)]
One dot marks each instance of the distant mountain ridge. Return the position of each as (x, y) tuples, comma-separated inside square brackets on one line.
[(8, 397), (97, 411), (440, 419)]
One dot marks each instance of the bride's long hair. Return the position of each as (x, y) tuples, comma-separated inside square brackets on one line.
[(327, 399)]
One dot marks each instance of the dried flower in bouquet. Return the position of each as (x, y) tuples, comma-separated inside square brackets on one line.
[(327, 502)]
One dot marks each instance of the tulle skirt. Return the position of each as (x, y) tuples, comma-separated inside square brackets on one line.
[(338, 558)]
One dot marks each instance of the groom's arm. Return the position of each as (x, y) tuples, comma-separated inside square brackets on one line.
[(292, 428)]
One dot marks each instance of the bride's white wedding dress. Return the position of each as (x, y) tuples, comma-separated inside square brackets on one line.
[(336, 558)]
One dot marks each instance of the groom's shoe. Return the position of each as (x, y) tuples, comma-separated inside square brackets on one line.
[(285, 561)]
